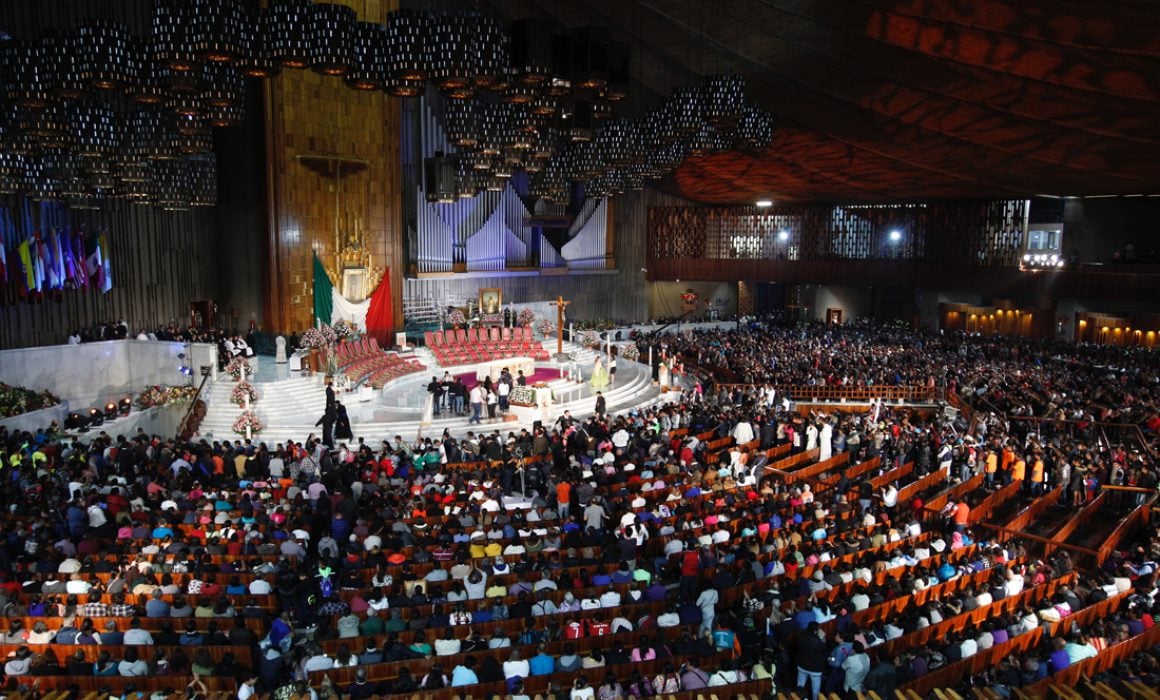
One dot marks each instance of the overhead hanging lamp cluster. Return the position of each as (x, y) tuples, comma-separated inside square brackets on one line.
[(97, 112)]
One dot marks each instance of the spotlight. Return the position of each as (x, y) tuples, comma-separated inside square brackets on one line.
[(75, 421), (1027, 257), (126, 406), (96, 417), (783, 236), (110, 410), (764, 203), (895, 236), (181, 356)]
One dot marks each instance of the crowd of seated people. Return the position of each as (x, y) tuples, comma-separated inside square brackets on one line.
[(555, 560)]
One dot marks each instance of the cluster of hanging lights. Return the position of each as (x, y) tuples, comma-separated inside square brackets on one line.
[(98, 112)]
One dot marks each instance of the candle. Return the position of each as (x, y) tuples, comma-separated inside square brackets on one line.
[(570, 338), (650, 357)]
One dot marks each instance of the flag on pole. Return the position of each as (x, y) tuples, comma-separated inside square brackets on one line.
[(24, 250), (323, 291), (58, 261), (105, 274), (80, 273)]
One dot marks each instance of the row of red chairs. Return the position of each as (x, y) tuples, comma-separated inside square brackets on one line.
[(362, 360), (461, 346)]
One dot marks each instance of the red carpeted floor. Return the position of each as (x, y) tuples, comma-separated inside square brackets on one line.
[(542, 374)]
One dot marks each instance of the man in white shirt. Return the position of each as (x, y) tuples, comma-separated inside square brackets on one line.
[(260, 586), (516, 666), (609, 599), (449, 645), (137, 636)]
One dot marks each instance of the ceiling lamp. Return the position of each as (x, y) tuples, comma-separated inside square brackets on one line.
[(532, 50), (256, 61), (724, 100), (149, 87), (332, 38), (172, 35), (409, 40), (287, 31), (203, 181), (63, 57), (685, 111), (219, 30), (452, 64), (491, 53), (226, 116), (754, 131), (225, 86), (618, 72), (12, 168), (439, 178), (461, 123), (27, 81), (368, 69), (143, 134), (47, 127), (582, 120), (589, 53), (105, 55), (94, 130)]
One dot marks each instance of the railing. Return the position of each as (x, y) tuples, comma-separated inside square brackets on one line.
[(186, 421), (1125, 432), (855, 393)]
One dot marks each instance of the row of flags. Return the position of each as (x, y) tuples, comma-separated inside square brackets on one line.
[(60, 259)]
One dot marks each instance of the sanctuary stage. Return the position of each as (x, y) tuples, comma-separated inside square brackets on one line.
[(291, 402)]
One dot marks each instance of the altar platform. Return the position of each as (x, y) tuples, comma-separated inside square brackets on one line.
[(290, 403)]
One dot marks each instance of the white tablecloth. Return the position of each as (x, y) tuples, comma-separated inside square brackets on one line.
[(514, 365)]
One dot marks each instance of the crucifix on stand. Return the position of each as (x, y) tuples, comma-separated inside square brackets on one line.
[(560, 305)]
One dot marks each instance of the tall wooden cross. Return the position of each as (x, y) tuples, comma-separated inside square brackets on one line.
[(560, 305)]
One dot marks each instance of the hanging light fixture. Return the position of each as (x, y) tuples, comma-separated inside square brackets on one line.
[(47, 127), (12, 172), (461, 122), (685, 111), (724, 98), (218, 32), (225, 86), (409, 40), (27, 81), (151, 78), (755, 130), (439, 178), (589, 64), (491, 52), (226, 116), (203, 178), (105, 55), (94, 130), (368, 69), (256, 61), (288, 31), (532, 50), (63, 56), (172, 35), (451, 53), (332, 38)]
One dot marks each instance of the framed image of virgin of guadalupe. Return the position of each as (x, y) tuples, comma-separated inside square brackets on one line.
[(490, 301)]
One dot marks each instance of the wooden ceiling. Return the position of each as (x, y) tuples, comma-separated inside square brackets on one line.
[(906, 100)]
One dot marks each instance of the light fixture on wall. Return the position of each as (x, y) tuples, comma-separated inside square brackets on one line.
[(764, 203), (895, 236)]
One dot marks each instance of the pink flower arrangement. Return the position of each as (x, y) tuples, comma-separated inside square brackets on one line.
[(248, 419), (525, 317), (241, 391)]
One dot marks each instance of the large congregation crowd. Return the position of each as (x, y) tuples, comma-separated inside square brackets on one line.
[(503, 558)]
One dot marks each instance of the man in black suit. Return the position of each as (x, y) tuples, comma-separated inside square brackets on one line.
[(601, 406)]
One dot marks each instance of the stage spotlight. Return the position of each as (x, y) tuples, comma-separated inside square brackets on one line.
[(110, 411), (96, 417), (75, 421), (126, 406)]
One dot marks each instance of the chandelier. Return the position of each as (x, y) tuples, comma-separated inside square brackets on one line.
[(97, 112)]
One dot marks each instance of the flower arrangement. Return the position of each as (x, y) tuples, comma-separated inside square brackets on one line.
[(545, 327), (241, 391), (690, 296), (158, 395), (248, 419), (455, 318), (525, 317), (234, 368), (15, 400), (345, 330), (492, 319), (630, 351), (321, 338), (590, 339)]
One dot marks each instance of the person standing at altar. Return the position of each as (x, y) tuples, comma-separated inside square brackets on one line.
[(476, 400), (611, 370), (435, 389), (329, 393), (521, 380), (599, 374), (601, 405)]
